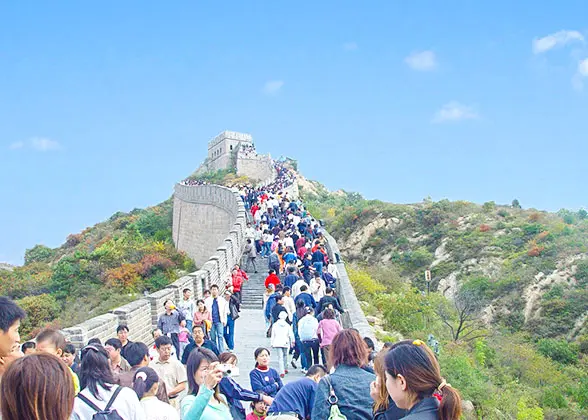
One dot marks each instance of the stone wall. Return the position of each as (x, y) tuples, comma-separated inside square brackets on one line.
[(222, 236), (259, 167), (353, 316)]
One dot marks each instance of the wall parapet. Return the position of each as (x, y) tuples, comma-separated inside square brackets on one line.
[(353, 316)]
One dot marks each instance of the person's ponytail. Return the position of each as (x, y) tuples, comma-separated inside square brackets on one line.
[(450, 406), (144, 380)]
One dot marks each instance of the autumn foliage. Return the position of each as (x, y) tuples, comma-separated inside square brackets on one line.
[(484, 228)]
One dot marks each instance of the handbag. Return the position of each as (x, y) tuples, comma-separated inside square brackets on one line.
[(335, 413), (234, 311)]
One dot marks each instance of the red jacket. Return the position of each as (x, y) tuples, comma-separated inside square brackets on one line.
[(272, 279), (237, 282)]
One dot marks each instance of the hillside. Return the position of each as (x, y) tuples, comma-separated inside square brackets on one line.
[(96, 270), (507, 297)]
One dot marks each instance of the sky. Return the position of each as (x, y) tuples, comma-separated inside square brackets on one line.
[(105, 105)]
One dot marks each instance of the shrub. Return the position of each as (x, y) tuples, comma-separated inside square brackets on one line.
[(534, 217), (40, 310), (489, 206), (558, 350), (363, 284), (503, 213), (484, 228)]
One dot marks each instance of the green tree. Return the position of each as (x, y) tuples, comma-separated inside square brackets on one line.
[(558, 350), (40, 310), (515, 204), (527, 409), (38, 253)]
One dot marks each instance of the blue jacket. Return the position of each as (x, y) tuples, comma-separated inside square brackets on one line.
[(297, 396), (306, 298), (290, 279), (271, 302), (426, 409), (235, 394), (267, 381), (352, 388)]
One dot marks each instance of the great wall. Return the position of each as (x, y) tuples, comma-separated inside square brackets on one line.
[(209, 224)]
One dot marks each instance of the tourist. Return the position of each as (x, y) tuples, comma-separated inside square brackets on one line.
[(53, 342), (138, 357), (296, 287), (229, 330), (384, 407), (146, 384), (329, 299), (206, 294), (10, 316), (372, 351), (282, 340), (317, 287), (307, 331), (170, 370), (169, 323), (306, 297), (291, 278), (99, 389), (7, 360), (204, 401), (413, 380), (263, 378), (28, 347), (251, 254), (153, 353), (183, 336), (288, 302), (118, 363), (297, 398), (202, 316), (218, 308), (236, 282), (278, 308), (69, 357), (233, 391), (350, 383), (122, 332), (258, 411), (327, 329), (269, 291), (267, 243), (37, 387), (272, 278), (188, 308)]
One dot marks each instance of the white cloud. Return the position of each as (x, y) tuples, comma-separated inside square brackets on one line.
[(422, 61), (39, 144), (454, 111), (272, 87), (17, 145), (583, 67), (350, 46), (541, 45)]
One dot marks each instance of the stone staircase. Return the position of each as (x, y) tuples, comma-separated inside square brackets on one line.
[(252, 291)]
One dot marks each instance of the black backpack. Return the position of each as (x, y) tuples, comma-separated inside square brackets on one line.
[(107, 413)]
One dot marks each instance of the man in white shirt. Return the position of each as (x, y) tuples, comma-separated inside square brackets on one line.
[(317, 287), (250, 232), (218, 308), (296, 287), (187, 307)]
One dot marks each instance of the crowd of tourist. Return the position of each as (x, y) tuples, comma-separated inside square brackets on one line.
[(193, 182), (189, 373), (247, 151)]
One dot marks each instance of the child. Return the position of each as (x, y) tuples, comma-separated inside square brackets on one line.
[(183, 336), (258, 411), (282, 340)]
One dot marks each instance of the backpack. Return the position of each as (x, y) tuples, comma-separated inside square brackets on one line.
[(107, 413)]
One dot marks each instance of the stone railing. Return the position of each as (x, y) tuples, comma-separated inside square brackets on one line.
[(141, 315), (353, 316)]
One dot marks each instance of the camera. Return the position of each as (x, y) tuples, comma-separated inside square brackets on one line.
[(228, 370)]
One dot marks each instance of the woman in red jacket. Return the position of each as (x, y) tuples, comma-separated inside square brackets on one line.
[(272, 279)]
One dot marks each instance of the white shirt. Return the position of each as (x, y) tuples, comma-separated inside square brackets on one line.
[(250, 232), (126, 404), (289, 305), (296, 287), (154, 354), (158, 410), (223, 307), (317, 289)]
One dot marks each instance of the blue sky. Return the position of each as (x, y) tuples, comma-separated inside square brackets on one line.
[(104, 105)]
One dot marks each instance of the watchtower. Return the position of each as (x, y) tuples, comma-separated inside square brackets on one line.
[(220, 148)]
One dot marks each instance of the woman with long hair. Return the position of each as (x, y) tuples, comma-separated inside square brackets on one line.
[(350, 383), (384, 406), (203, 316), (37, 387), (413, 380), (146, 385), (99, 388), (204, 401), (235, 393)]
